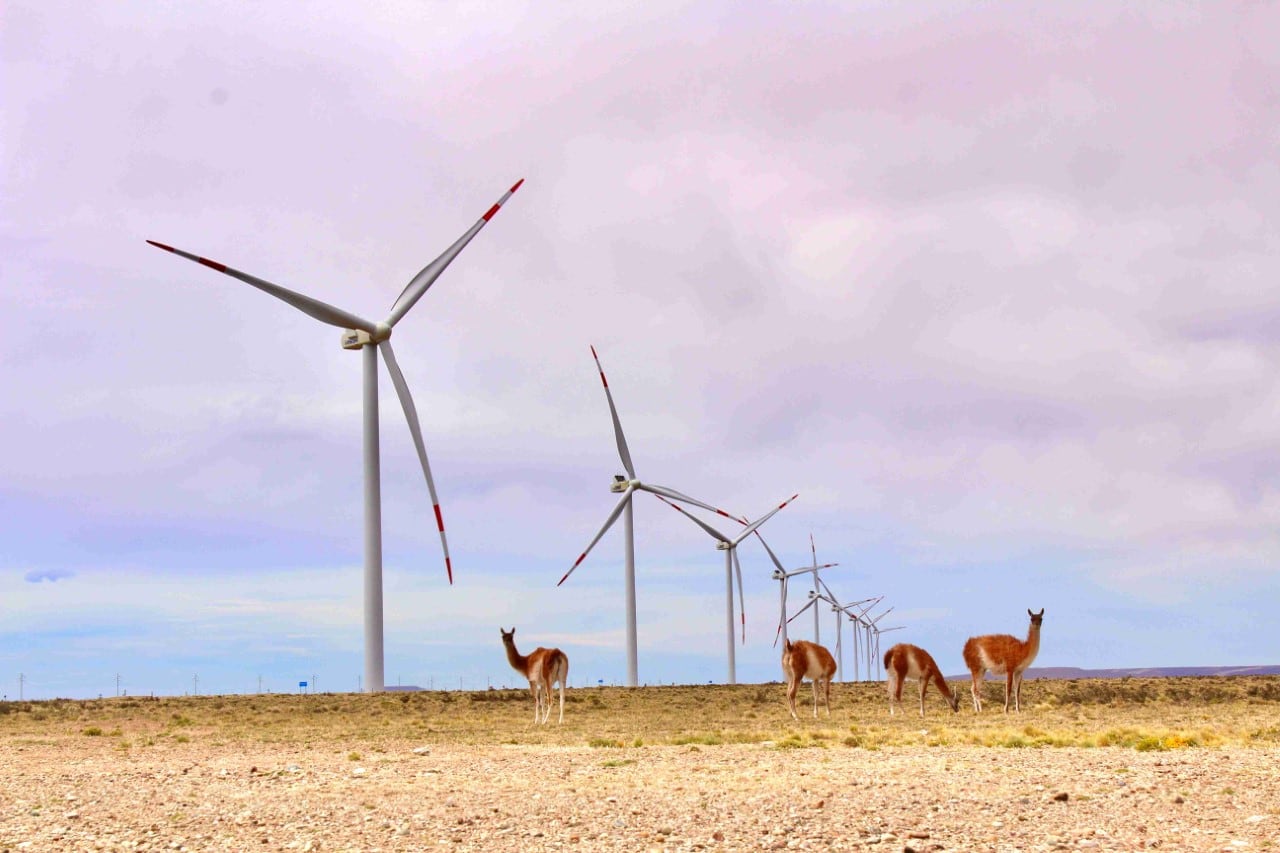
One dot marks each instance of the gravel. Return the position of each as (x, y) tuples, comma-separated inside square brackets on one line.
[(735, 797)]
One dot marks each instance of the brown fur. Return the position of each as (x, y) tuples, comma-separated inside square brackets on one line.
[(905, 661), (1003, 654), (802, 659), (543, 668)]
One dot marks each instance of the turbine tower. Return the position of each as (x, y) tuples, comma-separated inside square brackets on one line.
[(627, 487), (361, 334), (730, 548), (816, 581)]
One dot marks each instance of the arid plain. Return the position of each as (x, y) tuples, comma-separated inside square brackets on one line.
[(1126, 764)]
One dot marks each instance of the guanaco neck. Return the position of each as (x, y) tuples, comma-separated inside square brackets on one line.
[(1033, 643), (518, 661)]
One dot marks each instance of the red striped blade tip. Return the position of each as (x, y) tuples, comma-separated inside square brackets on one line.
[(160, 246), (439, 517), (448, 565), (517, 185)]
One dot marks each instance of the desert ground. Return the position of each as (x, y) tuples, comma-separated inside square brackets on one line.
[(1170, 764)]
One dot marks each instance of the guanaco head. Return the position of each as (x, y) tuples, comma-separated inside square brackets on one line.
[(953, 699), (508, 637), (1036, 618)]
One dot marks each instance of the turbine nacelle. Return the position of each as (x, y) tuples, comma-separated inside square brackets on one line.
[(355, 339), (620, 484)]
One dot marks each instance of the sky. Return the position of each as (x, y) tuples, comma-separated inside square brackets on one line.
[(992, 288)]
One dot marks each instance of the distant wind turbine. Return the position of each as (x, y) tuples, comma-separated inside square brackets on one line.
[(783, 576), (827, 596), (361, 334), (850, 611), (865, 624), (730, 548), (627, 487), (873, 645), (816, 581)]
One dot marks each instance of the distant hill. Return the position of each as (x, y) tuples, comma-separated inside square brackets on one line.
[(1068, 672)]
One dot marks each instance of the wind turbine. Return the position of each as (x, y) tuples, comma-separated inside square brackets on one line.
[(361, 334), (627, 487), (783, 576), (816, 581), (829, 597), (860, 619), (873, 629), (730, 548), (848, 610)]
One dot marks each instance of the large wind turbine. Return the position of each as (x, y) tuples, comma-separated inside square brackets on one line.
[(730, 548), (361, 334), (628, 486)]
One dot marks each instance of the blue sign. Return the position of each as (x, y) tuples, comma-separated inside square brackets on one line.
[(302, 684)]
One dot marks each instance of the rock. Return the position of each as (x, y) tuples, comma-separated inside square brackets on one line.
[(1061, 797), (422, 750), (918, 835), (1178, 800)]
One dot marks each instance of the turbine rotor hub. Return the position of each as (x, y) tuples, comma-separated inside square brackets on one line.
[(359, 339), (620, 484)]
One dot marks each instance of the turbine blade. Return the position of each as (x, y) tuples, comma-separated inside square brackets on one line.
[(608, 522), (682, 498), (711, 530), (322, 311), (834, 601), (772, 556), (813, 549), (742, 604), (623, 452), (419, 283), (812, 601), (415, 429), (751, 528)]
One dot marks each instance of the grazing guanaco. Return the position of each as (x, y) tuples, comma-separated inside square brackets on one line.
[(905, 661)]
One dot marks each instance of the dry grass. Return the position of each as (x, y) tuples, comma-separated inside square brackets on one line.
[(1142, 714)]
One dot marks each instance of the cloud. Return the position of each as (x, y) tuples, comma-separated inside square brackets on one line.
[(51, 575)]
